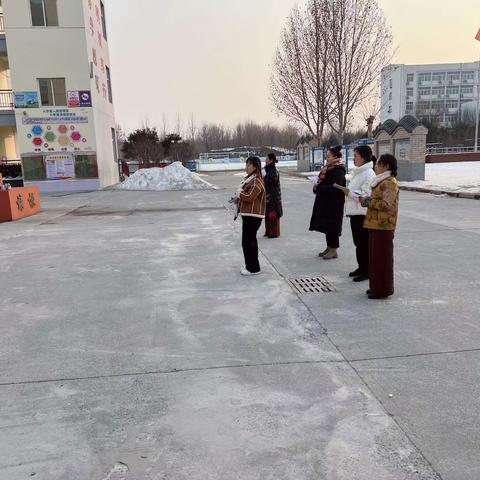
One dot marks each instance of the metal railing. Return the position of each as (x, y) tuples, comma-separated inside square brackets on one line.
[(6, 100), (446, 150)]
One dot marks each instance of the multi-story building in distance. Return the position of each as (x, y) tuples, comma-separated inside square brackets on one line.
[(56, 101), (441, 93)]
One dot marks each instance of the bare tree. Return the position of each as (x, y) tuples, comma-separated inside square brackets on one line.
[(360, 47), (299, 88)]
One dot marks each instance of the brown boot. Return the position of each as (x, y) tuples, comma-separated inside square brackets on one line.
[(331, 254), (322, 254)]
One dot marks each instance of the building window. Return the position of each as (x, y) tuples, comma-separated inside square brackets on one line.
[(44, 13), (468, 77), (86, 166), (452, 104), (453, 91), (391, 83), (425, 77), (410, 77), (409, 92), (409, 107), (104, 23), (453, 76), (467, 90), (52, 92), (114, 145), (438, 77), (109, 85), (423, 92)]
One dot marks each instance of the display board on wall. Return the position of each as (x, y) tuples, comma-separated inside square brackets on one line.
[(26, 100), (81, 98), (60, 167), (56, 130)]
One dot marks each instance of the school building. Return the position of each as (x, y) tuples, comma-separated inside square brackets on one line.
[(56, 101), (439, 93)]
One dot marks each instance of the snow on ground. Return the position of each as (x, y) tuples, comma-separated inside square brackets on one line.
[(450, 177), (172, 177)]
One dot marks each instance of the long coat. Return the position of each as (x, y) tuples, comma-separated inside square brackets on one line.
[(273, 190), (328, 210)]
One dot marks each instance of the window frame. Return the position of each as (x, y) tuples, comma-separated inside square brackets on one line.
[(108, 73), (45, 17), (54, 93), (104, 20)]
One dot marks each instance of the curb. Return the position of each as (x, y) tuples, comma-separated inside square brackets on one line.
[(431, 191), (470, 196)]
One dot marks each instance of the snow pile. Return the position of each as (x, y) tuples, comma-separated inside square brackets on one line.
[(172, 177), (450, 177)]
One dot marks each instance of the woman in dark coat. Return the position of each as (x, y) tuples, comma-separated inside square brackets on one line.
[(274, 198), (329, 205)]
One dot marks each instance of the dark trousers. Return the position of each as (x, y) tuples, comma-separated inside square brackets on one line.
[(360, 239), (381, 262), (272, 227), (333, 240), (250, 228)]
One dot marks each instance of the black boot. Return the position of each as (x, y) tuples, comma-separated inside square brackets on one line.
[(361, 277), (355, 273)]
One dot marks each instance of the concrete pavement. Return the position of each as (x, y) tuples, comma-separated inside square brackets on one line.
[(132, 349)]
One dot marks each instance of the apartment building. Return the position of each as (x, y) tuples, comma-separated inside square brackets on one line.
[(56, 100), (441, 93)]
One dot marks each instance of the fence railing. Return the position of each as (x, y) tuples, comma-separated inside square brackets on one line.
[(446, 150), (6, 100)]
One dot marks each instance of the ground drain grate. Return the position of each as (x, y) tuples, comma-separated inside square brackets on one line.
[(312, 285)]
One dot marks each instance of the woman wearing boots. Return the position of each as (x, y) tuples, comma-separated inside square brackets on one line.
[(251, 200), (328, 210), (381, 222), (359, 186), (274, 198)]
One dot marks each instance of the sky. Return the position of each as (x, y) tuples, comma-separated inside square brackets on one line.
[(210, 60)]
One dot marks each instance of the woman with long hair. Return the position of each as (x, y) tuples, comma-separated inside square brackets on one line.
[(274, 198), (360, 186), (381, 222), (328, 210), (251, 201)]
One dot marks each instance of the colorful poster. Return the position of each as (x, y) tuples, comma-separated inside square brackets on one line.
[(60, 167), (56, 130), (85, 98), (26, 100), (73, 99)]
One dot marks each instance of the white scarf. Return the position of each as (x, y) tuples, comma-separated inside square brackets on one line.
[(380, 178), (244, 183)]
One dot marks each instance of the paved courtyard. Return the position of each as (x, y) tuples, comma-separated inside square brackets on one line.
[(132, 349)]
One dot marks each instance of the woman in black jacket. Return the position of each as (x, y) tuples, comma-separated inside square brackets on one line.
[(329, 205), (274, 210)]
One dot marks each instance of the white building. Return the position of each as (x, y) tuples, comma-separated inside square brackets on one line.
[(56, 105), (435, 93)]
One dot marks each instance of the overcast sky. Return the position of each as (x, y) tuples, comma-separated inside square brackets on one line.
[(211, 58)]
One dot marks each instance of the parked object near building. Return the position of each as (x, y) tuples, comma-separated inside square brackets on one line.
[(407, 141), (56, 103), (437, 93)]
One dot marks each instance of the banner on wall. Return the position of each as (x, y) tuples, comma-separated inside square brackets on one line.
[(26, 100), (60, 167), (76, 99), (56, 130), (73, 99)]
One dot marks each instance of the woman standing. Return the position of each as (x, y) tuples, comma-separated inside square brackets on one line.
[(252, 201), (328, 210), (360, 186), (274, 210), (381, 222)]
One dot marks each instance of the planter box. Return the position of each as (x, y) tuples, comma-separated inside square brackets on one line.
[(19, 203)]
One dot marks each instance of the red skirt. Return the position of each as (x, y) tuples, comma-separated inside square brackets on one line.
[(272, 227), (381, 262)]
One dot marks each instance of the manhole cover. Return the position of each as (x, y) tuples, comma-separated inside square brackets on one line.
[(312, 285)]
